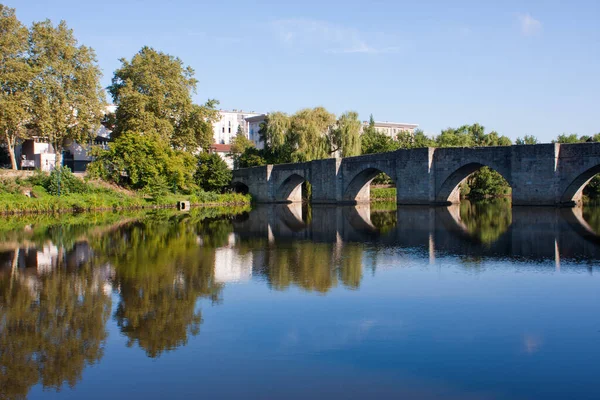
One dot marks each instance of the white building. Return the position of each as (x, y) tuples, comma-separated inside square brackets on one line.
[(253, 128), (392, 129), (226, 128)]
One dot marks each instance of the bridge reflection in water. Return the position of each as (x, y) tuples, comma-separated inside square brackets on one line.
[(520, 234)]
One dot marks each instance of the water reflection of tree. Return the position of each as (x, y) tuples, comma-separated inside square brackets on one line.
[(51, 327), (486, 220), (591, 214), (313, 266), (161, 269)]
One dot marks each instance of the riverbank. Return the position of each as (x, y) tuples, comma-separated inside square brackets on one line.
[(39, 194)]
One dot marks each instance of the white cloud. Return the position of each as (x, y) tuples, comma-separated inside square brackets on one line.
[(529, 25), (323, 36)]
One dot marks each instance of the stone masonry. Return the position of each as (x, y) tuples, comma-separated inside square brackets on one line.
[(542, 174)]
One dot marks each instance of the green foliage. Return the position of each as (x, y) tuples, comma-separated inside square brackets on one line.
[(153, 93), (487, 183), (379, 194), (345, 137), (251, 157), (15, 77), (377, 142), (67, 99), (239, 145), (564, 138), (62, 181), (527, 139), (487, 220), (212, 172), (139, 160)]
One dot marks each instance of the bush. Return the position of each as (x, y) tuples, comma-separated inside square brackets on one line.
[(140, 160), (212, 172), (62, 181)]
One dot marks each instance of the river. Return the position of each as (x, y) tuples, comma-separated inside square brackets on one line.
[(477, 301)]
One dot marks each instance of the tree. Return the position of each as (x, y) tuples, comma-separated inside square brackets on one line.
[(15, 75), (421, 140), (143, 161), (377, 142), (212, 172), (564, 138), (345, 137), (153, 94), (310, 131), (274, 129), (67, 97), (239, 145), (527, 139)]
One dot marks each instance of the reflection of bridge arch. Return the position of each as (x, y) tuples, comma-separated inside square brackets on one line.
[(536, 233)]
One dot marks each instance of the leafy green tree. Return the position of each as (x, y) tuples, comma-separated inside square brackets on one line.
[(421, 140), (251, 157), (527, 139), (451, 137), (68, 99), (309, 135), (377, 142), (370, 128), (345, 137), (564, 138), (239, 145), (212, 172), (153, 94), (142, 160), (274, 129), (15, 78)]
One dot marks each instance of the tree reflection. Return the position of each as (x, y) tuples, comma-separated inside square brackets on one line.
[(313, 266), (486, 220), (591, 214), (51, 327), (162, 266)]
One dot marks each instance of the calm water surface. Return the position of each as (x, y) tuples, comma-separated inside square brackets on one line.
[(471, 302)]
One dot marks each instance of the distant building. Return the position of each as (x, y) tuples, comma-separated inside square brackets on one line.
[(253, 128), (224, 150), (226, 128), (37, 153), (392, 129)]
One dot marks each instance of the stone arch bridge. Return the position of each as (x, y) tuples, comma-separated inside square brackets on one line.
[(542, 174)]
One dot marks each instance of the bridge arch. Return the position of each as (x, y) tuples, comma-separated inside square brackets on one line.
[(449, 190), (358, 189), (290, 189), (240, 187), (574, 190)]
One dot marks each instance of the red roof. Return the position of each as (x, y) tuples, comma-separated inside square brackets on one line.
[(220, 148)]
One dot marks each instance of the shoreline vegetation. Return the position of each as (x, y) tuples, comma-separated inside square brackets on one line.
[(64, 192)]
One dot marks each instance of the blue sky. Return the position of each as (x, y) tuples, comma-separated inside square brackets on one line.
[(517, 67)]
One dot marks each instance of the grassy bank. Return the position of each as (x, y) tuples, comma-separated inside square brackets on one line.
[(383, 194), (40, 193)]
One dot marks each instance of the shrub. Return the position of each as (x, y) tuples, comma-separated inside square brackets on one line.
[(62, 181), (212, 172)]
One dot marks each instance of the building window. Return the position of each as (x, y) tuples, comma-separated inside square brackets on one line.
[(229, 129), (223, 129)]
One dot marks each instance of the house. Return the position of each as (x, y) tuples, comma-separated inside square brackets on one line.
[(223, 150)]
